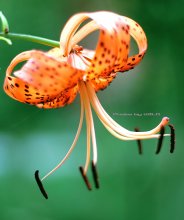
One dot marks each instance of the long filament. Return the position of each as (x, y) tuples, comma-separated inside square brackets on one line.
[(92, 127), (90, 123), (88, 127), (72, 146), (109, 122)]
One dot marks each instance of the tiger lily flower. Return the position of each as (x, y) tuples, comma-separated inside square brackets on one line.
[(53, 79)]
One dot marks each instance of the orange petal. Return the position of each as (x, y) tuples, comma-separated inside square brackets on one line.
[(17, 88), (122, 28), (64, 98), (82, 60), (69, 30), (47, 74), (18, 59), (106, 51), (112, 48), (23, 92), (105, 54), (138, 34), (43, 74)]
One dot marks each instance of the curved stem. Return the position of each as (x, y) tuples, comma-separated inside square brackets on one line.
[(35, 39)]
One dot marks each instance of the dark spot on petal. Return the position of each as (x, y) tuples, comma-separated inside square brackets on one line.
[(102, 44)]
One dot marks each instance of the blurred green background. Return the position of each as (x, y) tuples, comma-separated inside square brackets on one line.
[(132, 186)]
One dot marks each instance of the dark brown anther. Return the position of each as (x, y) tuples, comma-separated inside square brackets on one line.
[(95, 175), (40, 185), (172, 138), (139, 142), (160, 140), (85, 178)]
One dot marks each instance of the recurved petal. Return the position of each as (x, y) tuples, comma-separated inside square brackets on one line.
[(45, 76), (69, 30), (23, 92), (18, 59), (48, 74), (139, 36), (123, 34), (106, 50), (19, 89), (112, 49)]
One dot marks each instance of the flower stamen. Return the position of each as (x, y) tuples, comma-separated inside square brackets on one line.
[(85, 178), (95, 174), (90, 136), (117, 130), (72, 146), (139, 142), (160, 140), (172, 138), (40, 185), (90, 125)]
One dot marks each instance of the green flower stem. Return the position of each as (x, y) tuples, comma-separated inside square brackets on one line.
[(35, 39)]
